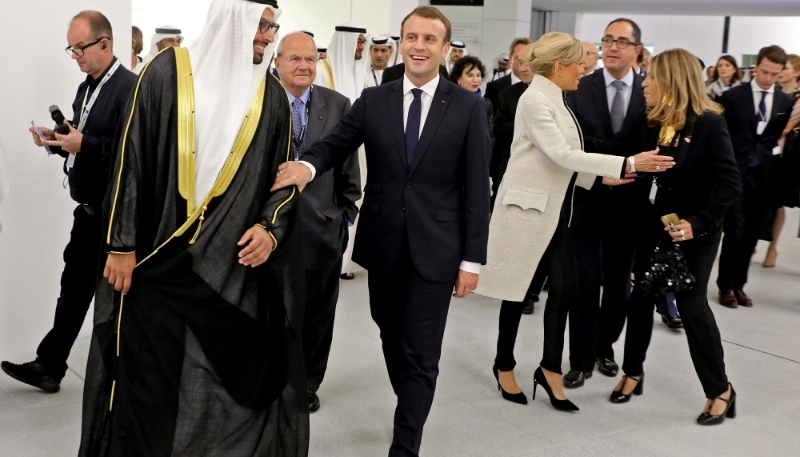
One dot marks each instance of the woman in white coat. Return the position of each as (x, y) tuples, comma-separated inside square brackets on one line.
[(530, 216)]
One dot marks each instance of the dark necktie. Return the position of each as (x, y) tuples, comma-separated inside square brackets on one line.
[(762, 107), (412, 125), (618, 107), (297, 128)]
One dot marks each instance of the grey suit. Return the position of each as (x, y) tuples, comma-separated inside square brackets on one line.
[(325, 207)]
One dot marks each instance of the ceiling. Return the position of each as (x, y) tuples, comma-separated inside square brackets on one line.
[(676, 7)]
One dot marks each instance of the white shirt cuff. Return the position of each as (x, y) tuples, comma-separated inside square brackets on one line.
[(310, 167), (470, 267)]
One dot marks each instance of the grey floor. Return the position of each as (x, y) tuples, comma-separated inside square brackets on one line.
[(762, 349)]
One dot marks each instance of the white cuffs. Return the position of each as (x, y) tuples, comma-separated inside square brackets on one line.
[(470, 267)]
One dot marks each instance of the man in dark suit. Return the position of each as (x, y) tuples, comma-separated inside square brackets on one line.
[(756, 114), (425, 218), (396, 72), (326, 205), (609, 106), (519, 71)]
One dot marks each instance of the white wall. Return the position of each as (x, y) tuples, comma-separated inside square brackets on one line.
[(37, 213), (702, 35)]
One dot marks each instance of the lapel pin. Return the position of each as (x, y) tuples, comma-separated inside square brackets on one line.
[(320, 118), (442, 101)]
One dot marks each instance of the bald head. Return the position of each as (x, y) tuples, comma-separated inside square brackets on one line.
[(590, 63)]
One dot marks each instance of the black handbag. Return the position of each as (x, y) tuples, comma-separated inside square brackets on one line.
[(667, 273)]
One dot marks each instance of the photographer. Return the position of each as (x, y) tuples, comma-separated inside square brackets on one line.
[(87, 147)]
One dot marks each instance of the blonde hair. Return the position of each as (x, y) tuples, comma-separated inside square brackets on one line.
[(554, 47), (794, 60), (679, 78), (137, 40)]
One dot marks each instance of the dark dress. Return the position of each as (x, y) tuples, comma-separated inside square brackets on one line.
[(790, 168)]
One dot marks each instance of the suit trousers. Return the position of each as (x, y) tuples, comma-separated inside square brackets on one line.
[(411, 313), (702, 333), (604, 254), (322, 294), (742, 226), (78, 281)]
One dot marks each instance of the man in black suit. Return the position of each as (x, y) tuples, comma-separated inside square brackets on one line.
[(325, 206), (519, 69), (425, 218), (396, 72), (756, 114), (609, 106)]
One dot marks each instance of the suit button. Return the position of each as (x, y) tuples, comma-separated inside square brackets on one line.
[(408, 184), (403, 211)]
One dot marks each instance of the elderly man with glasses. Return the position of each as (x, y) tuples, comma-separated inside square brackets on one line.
[(87, 145)]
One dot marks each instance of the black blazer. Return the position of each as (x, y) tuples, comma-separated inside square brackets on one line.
[(440, 202), (740, 113), (505, 111), (495, 88), (397, 71), (329, 201), (701, 188), (590, 105)]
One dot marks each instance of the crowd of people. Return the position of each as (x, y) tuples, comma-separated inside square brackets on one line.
[(225, 188)]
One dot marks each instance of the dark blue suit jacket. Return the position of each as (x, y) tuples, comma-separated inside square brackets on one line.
[(440, 201)]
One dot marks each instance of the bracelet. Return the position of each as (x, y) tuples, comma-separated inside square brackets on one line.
[(632, 163)]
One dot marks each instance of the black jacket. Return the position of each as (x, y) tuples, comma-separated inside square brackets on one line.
[(740, 114), (495, 88), (440, 202), (88, 178), (705, 184), (329, 201), (396, 72), (505, 111)]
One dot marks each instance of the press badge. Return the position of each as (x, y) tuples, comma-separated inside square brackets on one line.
[(762, 125), (653, 191)]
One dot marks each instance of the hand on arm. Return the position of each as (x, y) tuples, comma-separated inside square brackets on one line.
[(259, 246), (649, 162), (119, 270), (292, 174)]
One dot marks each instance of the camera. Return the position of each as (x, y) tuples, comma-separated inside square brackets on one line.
[(58, 118)]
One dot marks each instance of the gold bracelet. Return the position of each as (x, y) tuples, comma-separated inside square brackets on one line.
[(122, 253)]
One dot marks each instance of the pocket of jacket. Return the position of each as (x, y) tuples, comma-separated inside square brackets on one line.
[(526, 200)]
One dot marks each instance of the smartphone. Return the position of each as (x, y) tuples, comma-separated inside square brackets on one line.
[(670, 219)]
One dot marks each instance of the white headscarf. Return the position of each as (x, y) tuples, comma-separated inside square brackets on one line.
[(374, 76), (163, 32), (225, 82), (395, 43), (349, 74), (454, 45)]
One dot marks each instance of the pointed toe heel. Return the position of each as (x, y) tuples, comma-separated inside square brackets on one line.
[(518, 398), (561, 405)]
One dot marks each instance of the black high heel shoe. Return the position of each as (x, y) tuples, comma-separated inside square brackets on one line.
[(730, 411), (519, 398), (618, 397), (561, 405)]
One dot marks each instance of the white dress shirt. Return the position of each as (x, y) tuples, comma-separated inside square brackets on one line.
[(514, 78), (374, 77), (426, 98), (611, 91), (767, 98)]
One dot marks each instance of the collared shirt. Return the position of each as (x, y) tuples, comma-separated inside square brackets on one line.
[(304, 102), (770, 95), (611, 91), (426, 98), (514, 78), (374, 77)]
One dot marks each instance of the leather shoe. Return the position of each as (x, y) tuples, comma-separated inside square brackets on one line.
[(672, 322), (727, 298), (608, 367), (575, 379), (33, 374), (742, 298), (313, 401), (528, 308)]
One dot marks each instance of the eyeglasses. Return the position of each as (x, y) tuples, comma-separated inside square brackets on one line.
[(295, 60), (264, 26), (622, 43), (79, 50)]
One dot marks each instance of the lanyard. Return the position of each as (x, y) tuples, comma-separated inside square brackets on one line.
[(298, 141), (375, 77), (87, 106)]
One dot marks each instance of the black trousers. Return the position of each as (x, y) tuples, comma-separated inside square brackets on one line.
[(322, 293), (743, 224), (559, 261), (702, 333), (411, 313), (78, 281)]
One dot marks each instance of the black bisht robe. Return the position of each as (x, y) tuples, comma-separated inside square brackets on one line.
[(203, 356)]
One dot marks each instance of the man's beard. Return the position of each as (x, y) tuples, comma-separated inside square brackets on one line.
[(257, 59)]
